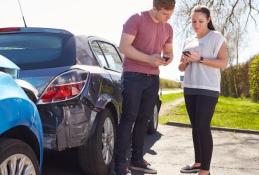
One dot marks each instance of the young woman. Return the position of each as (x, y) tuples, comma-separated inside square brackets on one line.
[(203, 56)]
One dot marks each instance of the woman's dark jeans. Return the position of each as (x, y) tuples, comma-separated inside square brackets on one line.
[(139, 93), (200, 109)]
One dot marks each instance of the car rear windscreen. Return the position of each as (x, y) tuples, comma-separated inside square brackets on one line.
[(38, 50)]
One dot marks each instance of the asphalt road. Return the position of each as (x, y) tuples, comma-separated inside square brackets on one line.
[(171, 148)]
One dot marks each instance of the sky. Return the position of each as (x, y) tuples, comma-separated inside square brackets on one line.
[(96, 17)]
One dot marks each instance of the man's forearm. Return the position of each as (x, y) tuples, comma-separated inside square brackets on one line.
[(132, 53)]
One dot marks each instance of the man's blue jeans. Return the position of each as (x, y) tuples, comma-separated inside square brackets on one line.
[(140, 92)]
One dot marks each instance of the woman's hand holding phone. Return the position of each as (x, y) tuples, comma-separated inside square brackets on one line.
[(186, 53), (191, 56), (185, 57)]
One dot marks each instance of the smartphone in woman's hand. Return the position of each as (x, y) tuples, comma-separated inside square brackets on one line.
[(186, 53)]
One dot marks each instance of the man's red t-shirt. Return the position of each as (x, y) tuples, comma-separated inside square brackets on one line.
[(150, 37)]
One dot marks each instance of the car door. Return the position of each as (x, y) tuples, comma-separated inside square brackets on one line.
[(110, 59), (113, 59)]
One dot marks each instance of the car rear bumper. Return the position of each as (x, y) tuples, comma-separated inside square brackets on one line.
[(66, 126)]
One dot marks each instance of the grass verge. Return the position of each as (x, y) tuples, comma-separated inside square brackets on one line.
[(170, 97), (230, 113)]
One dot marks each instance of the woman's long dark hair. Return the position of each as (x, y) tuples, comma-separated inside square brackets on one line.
[(203, 9)]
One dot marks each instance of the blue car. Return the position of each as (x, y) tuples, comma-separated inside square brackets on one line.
[(21, 135)]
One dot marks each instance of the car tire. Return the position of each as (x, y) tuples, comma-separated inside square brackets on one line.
[(14, 152), (91, 155), (153, 123)]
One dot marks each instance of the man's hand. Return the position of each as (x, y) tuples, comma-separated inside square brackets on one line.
[(156, 60), (168, 59)]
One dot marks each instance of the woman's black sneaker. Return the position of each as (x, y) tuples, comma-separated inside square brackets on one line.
[(142, 166)]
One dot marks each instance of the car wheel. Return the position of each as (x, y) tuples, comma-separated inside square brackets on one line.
[(16, 157), (96, 155), (153, 123)]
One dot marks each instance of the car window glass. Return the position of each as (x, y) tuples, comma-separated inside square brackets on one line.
[(111, 61), (82, 52), (37, 50), (98, 53), (112, 56)]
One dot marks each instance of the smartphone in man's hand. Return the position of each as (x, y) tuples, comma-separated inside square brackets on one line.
[(186, 53), (166, 58)]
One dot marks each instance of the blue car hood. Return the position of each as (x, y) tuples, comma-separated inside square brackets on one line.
[(6, 63)]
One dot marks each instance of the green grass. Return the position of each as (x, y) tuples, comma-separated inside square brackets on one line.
[(169, 89), (170, 97), (230, 113), (165, 99)]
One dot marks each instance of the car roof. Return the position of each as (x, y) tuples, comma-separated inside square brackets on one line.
[(91, 38), (33, 29), (48, 30)]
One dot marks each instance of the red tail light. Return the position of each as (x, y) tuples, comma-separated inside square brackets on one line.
[(62, 92), (10, 29), (64, 87)]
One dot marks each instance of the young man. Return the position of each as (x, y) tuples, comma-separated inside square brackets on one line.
[(145, 37)]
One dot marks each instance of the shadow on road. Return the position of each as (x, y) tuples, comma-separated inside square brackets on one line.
[(150, 140), (66, 163), (61, 163)]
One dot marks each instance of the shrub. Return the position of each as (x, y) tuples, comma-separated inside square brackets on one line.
[(254, 78), (164, 83), (235, 81)]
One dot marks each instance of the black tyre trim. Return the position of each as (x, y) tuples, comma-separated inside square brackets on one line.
[(88, 160), (151, 129)]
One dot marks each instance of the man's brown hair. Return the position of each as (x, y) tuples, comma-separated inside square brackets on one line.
[(166, 4)]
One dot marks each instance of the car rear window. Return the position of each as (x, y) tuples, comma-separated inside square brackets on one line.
[(38, 50)]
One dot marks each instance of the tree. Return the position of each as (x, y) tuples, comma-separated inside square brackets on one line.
[(230, 17)]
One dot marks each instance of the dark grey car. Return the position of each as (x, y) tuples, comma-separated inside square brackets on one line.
[(79, 84)]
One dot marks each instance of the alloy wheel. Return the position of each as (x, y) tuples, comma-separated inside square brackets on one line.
[(17, 164), (155, 116), (107, 140)]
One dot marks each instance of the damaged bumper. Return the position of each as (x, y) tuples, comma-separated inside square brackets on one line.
[(66, 125)]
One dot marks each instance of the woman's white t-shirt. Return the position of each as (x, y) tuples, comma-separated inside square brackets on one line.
[(198, 75)]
